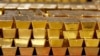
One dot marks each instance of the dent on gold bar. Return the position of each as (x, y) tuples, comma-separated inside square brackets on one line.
[(38, 42), (56, 42), (92, 42), (70, 34), (53, 33), (7, 42), (21, 42), (39, 33), (75, 42), (9, 33), (86, 34), (24, 33)]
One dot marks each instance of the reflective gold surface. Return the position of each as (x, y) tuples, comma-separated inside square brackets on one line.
[(24, 33), (53, 33), (23, 1), (56, 42), (86, 34), (99, 25), (21, 42), (65, 1), (91, 42), (75, 42), (7, 42), (73, 1), (38, 42), (1, 12), (9, 33), (1, 41), (98, 33), (57, 1), (40, 0), (39, 33), (31, 0), (14, 0), (48, 0), (83, 1), (70, 34)]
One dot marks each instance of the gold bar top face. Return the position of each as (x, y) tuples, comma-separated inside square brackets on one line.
[(7, 42)]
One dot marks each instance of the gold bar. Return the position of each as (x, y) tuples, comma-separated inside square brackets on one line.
[(83, 1), (56, 42), (70, 34), (65, 1), (90, 7), (9, 51), (75, 51), (98, 23), (92, 42), (26, 51), (24, 5), (1, 41), (7, 42), (91, 51), (22, 24), (1, 12), (9, 33), (6, 24), (38, 42), (52, 35), (77, 6), (48, 0), (74, 1), (98, 34), (86, 34), (39, 0), (75, 42), (11, 6), (21, 42), (43, 51), (39, 33), (22, 1), (57, 1), (14, 1), (31, 0), (59, 51), (39, 24), (24, 33)]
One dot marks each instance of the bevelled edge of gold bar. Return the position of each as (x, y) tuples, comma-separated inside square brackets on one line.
[(98, 34), (86, 34), (75, 42), (9, 33), (39, 24), (9, 51), (24, 33), (7, 43), (56, 42), (59, 51), (91, 51), (39, 33), (26, 51), (21, 42), (92, 42), (38, 42), (70, 34)]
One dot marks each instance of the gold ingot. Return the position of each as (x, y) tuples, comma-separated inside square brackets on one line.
[(56, 42), (21, 42), (38, 42), (98, 33), (39, 33), (31, 0), (7, 42), (65, 1), (9, 33), (40, 0), (48, 0), (53, 33), (55, 25), (1, 12), (70, 34), (14, 0), (74, 1), (86, 34), (57, 1), (22, 24), (75, 42), (39, 24), (1, 41), (83, 1), (24, 33), (6, 24), (91, 42), (23, 1), (9, 51)]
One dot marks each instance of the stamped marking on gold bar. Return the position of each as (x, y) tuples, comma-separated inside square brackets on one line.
[(7, 42), (38, 42), (70, 34), (86, 34)]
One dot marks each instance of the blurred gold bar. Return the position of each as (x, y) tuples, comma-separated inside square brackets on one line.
[(55, 25), (75, 51), (48, 0), (98, 34), (39, 33), (75, 42), (65, 1), (1, 41), (9, 33), (83, 1), (31, 0), (26, 51), (98, 24), (59, 51), (6, 24), (9, 51), (21, 42), (53, 33), (22, 24), (14, 0), (1, 12), (22, 1), (7, 42), (86, 34), (38, 42), (43, 51), (40, 0), (24, 33), (92, 42), (74, 1), (39, 24), (56, 42), (57, 1), (91, 51), (70, 34)]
